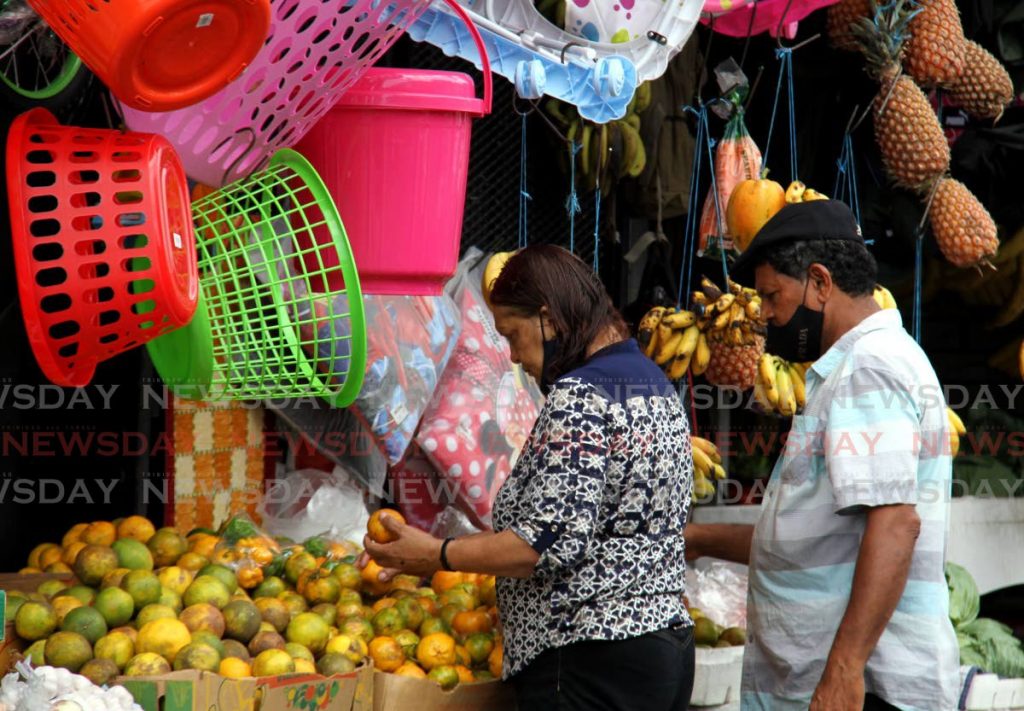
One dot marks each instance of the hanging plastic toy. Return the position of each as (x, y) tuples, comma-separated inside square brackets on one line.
[(599, 78), (745, 18)]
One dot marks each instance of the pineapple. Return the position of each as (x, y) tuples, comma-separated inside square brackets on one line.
[(733, 365), (934, 52), (984, 87), (840, 17), (962, 226), (914, 149)]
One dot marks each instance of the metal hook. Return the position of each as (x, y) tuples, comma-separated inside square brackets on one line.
[(566, 49), (750, 28), (849, 123), (235, 163), (536, 109), (778, 31)]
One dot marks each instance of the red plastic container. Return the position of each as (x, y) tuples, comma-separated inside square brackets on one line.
[(103, 241)]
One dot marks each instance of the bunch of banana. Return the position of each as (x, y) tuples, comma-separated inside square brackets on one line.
[(780, 385), (671, 338), (732, 316), (883, 297), (956, 430), (608, 151), (707, 465), (798, 192)]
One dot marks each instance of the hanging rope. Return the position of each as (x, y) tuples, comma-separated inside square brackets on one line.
[(785, 57), (690, 234), (524, 197), (572, 203), (846, 177)]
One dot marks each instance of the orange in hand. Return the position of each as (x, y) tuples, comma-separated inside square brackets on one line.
[(375, 527)]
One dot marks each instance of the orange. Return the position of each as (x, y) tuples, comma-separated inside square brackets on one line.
[(165, 637), (386, 653), (33, 557), (494, 660), (371, 582), (147, 664), (167, 545), (469, 622), (376, 529), (445, 676), (202, 544), (488, 594), (117, 647), (234, 668), (436, 650), (175, 578), (465, 675), (63, 604), (52, 555), (192, 561), (442, 580), (429, 605), (249, 576), (308, 629), (35, 620), (479, 646), (68, 650), (138, 527), (272, 662), (462, 655), (352, 647), (383, 603), (71, 551), (74, 534), (318, 587), (304, 666), (297, 564), (348, 576), (99, 533), (411, 669), (57, 568)]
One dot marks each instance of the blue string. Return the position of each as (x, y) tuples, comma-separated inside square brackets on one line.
[(524, 196), (597, 228), (785, 57), (846, 177), (918, 292), (692, 223), (572, 203), (710, 143)]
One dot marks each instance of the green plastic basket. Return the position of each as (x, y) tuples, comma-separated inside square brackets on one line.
[(266, 326)]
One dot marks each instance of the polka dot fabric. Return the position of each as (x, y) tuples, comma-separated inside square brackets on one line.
[(481, 415)]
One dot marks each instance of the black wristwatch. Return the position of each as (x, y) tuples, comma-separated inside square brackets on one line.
[(444, 555)]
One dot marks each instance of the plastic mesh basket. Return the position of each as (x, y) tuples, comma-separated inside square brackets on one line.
[(102, 242), (266, 325), (316, 50)]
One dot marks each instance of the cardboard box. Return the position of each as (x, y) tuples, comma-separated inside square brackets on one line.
[(11, 646), (402, 693), (193, 690)]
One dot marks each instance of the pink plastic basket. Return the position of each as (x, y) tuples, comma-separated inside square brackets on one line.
[(316, 49)]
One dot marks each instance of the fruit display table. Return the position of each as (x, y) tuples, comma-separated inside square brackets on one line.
[(985, 536)]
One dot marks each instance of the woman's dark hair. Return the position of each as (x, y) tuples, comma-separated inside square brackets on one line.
[(852, 266), (578, 304)]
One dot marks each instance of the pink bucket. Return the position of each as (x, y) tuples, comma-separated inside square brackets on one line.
[(394, 154)]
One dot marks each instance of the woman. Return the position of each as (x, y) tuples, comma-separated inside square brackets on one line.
[(587, 541)]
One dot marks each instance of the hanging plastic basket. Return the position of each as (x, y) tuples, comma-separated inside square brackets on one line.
[(103, 241), (266, 327), (158, 55), (316, 50)]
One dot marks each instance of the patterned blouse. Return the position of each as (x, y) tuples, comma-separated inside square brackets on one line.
[(601, 492)]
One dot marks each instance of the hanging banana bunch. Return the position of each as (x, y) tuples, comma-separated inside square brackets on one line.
[(610, 151), (707, 466)]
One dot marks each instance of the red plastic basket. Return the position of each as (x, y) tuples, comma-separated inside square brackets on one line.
[(103, 241), (159, 55)]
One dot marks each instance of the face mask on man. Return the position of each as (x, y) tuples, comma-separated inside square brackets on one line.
[(549, 349), (799, 339)]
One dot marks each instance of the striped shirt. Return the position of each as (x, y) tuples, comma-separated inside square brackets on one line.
[(874, 432)]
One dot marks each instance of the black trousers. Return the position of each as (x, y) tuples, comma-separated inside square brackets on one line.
[(873, 703), (653, 672)]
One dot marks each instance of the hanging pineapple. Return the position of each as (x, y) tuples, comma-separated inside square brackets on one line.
[(934, 54), (840, 17), (964, 229), (914, 149), (734, 331), (984, 87)]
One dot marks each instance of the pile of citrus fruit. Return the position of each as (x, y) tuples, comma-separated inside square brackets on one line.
[(143, 601)]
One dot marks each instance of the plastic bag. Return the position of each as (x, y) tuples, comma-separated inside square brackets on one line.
[(964, 600), (16, 19), (306, 503), (484, 407), (245, 548), (408, 348), (718, 588)]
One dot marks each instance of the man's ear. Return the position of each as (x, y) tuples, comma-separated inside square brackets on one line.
[(821, 278)]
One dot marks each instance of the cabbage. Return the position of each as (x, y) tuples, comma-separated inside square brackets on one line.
[(964, 600)]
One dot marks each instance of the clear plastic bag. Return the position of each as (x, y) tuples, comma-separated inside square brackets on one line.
[(16, 20), (718, 588), (245, 548), (309, 502)]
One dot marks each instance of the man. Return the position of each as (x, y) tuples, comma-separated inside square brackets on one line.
[(847, 605)]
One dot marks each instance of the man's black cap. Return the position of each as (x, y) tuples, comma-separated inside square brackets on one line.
[(814, 220)]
